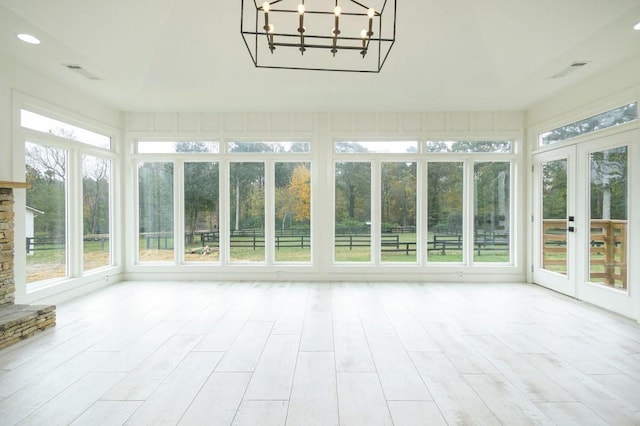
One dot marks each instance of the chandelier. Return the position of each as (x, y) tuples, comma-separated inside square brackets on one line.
[(325, 35)]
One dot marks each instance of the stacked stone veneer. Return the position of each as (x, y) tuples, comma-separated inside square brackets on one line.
[(17, 322), (7, 284)]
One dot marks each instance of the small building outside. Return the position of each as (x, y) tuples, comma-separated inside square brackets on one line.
[(29, 216)]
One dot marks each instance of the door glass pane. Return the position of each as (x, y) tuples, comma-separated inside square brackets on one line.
[(608, 218), (246, 219), (96, 182), (445, 240), (46, 211), (491, 210), (293, 212), (155, 194), (398, 215), (554, 216), (353, 212), (201, 232)]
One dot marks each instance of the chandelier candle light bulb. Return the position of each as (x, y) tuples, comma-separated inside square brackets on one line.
[(301, 27), (301, 13), (270, 29), (364, 36), (371, 13), (266, 7), (336, 30)]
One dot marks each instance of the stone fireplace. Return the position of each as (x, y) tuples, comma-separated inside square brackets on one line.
[(17, 322)]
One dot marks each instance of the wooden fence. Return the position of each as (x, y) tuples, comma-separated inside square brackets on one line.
[(59, 243), (607, 249)]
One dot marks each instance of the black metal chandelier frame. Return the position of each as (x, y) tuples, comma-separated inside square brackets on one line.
[(263, 31)]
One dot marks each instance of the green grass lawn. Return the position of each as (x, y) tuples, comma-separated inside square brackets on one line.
[(49, 261)]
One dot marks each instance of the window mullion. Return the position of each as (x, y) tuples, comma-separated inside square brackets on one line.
[(269, 214), (376, 211), (468, 208), (74, 214), (178, 212)]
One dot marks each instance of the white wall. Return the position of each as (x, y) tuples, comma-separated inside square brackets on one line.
[(6, 151)]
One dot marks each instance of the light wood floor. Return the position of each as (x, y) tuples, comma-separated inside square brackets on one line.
[(325, 354)]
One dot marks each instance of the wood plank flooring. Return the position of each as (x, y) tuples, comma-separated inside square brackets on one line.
[(273, 353)]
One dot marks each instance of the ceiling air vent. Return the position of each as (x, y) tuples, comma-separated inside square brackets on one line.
[(83, 72), (571, 68)]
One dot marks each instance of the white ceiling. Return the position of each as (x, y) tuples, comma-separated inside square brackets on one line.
[(188, 55)]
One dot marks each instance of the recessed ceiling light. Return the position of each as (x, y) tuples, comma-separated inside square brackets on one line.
[(637, 26), (28, 38)]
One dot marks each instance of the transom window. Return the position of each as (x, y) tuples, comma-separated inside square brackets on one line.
[(377, 147), (469, 146), (611, 118), (269, 147), (40, 123), (183, 147)]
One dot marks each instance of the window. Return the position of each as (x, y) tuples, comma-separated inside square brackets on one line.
[(269, 147), (292, 212), (491, 211), (445, 239), (398, 212), (247, 212), (155, 208), (614, 117), (352, 241), (377, 147), (96, 189), (68, 232), (40, 123), (241, 207), (47, 172), (469, 146), (171, 147), (201, 211)]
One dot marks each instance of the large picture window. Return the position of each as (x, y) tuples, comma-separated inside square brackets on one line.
[(201, 211), (352, 240), (396, 204), (155, 207), (398, 212), (445, 182), (492, 211), (292, 212), (47, 172), (246, 207), (96, 201)]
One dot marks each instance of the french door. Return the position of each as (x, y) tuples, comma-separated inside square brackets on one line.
[(581, 221), (554, 262)]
